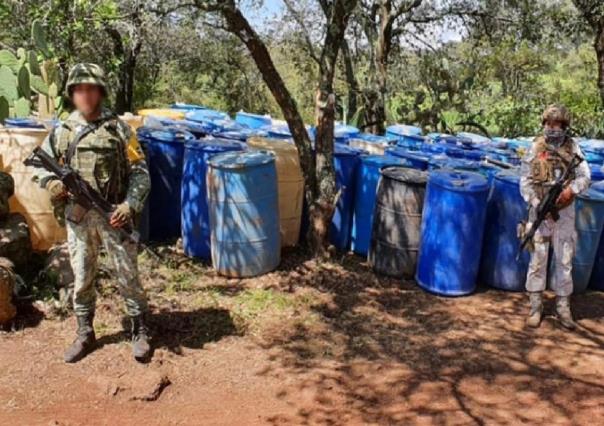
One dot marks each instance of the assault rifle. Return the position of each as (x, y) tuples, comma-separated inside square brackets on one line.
[(547, 206), (82, 194)]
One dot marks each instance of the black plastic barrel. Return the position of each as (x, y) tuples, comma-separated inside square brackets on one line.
[(397, 222)]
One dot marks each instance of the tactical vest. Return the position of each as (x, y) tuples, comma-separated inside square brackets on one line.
[(550, 163), (100, 157)]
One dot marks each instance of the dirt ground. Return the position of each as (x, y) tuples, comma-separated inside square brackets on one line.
[(310, 343)]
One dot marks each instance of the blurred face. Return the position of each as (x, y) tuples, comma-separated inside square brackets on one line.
[(552, 125), (87, 98)]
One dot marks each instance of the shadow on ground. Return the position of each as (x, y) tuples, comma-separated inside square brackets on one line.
[(386, 352)]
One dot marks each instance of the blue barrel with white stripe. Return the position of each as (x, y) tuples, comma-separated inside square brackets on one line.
[(453, 224), (416, 159)]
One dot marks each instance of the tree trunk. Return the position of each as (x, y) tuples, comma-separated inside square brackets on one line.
[(353, 85), (599, 45)]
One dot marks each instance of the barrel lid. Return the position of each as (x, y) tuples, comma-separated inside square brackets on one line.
[(403, 130), (382, 161), (404, 153), (458, 163), (434, 147), (405, 174), (206, 115), (344, 130), (214, 145), (459, 181), (241, 159), (170, 135), (595, 193)]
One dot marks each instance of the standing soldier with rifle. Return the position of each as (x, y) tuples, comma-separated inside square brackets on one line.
[(104, 152), (551, 165)]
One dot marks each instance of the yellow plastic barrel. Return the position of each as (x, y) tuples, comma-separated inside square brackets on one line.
[(30, 200), (290, 183), (162, 112)]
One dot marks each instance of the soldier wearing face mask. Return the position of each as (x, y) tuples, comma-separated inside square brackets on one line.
[(549, 157)]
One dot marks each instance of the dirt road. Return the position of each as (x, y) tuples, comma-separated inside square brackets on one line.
[(309, 344)]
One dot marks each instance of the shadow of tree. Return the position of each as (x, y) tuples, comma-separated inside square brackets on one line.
[(174, 330), (386, 352)]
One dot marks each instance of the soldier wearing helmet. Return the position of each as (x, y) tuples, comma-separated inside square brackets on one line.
[(105, 152), (548, 158)]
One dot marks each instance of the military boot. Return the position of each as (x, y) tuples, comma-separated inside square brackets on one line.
[(564, 313), (141, 348), (84, 343), (534, 318)]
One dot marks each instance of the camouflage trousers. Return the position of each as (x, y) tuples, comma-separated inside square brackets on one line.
[(561, 235), (84, 241)]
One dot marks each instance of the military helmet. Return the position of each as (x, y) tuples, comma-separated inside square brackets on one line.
[(556, 112), (85, 73)]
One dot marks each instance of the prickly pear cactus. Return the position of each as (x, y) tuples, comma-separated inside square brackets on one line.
[(29, 79)]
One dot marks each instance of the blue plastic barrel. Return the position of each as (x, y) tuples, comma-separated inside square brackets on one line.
[(452, 232), (434, 148), (195, 219), (253, 121), (165, 150), (415, 159), (594, 157), (346, 161), (398, 130), (244, 213), (411, 141), (206, 114), (368, 175), (473, 154), (505, 210), (596, 281), (589, 224), (597, 173), (186, 107)]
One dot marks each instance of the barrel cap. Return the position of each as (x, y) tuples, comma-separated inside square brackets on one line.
[(458, 181), (405, 174), (240, 160), (211, 144)]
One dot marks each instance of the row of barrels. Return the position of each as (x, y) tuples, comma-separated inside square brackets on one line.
[(450, 230)]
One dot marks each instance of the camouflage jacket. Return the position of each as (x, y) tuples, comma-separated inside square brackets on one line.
[(543, 164), (108, 158)]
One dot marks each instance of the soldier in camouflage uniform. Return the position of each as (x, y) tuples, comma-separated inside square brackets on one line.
[(110, 159), (547, 160)]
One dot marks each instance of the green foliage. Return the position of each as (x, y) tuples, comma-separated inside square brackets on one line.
[(22, 107), (23, 82), (8, 84), (39, 38)]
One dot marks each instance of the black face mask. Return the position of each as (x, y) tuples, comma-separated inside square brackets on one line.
[(555, 137)]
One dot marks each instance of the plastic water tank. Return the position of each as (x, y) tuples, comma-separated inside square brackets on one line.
[(244, 215), (346, 161), (452, 231), (505, 210), (291, 185), (368, 175), (195, 219), (397, 221), (589, 224)]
